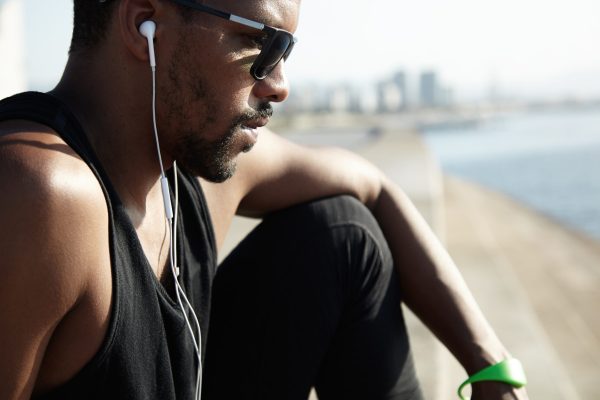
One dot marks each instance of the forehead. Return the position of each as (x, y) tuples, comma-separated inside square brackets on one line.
[(278, 13)]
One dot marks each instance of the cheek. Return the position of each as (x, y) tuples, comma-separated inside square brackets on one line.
[(202, 97)]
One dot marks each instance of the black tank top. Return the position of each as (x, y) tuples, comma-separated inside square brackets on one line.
[(147, 352)]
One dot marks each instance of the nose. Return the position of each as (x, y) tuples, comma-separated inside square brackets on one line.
[(275, 87)]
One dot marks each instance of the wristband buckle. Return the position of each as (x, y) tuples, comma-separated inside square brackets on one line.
[(508, 371)]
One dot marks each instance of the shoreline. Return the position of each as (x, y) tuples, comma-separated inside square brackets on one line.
[(551, 219)]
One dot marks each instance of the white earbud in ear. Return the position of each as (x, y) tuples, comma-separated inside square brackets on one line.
[(147, 29)]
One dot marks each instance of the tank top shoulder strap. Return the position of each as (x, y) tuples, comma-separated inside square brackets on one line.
[(49, 111)]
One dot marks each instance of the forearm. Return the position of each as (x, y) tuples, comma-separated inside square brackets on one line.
[(431, 284)]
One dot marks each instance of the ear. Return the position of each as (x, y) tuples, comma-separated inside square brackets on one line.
[(130, 15)]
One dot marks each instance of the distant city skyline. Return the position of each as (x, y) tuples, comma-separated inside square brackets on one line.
[(532, 49)]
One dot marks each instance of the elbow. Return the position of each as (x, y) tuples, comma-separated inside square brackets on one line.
[(376, 187)]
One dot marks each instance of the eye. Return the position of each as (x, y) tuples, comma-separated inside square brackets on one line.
[(258, 41)]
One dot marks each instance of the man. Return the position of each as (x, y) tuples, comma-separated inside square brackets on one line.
[(308, 299)]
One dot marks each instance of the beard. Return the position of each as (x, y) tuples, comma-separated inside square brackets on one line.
[(213, 160), (209, 160)]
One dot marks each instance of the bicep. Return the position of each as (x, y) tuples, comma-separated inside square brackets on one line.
[(278, 173), (29, 314), (34, 296), (41, 267)]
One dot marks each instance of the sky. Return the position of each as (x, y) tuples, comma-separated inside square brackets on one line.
[(531, 48)]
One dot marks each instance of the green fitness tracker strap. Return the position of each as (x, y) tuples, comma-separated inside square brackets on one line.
[(508, 371)]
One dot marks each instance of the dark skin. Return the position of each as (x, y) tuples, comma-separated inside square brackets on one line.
[(56, 287)]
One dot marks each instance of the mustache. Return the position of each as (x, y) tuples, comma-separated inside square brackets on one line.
[(264, 110)]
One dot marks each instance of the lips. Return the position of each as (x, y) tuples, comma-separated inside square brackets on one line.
[(250, 128), (256, 123)]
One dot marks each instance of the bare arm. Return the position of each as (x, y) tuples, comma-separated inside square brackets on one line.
[(436, 292), (42, 260), (280, 174)]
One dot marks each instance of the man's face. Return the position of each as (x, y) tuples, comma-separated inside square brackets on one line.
[(211, 105)]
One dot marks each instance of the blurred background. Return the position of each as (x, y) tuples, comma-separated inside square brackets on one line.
[(487, 113)]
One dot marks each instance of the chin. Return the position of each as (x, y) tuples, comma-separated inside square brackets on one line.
[(214, 161), (247, 148), (222, 176), (216, 172)]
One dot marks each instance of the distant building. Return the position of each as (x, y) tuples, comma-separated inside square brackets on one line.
[(429, 89), (341, 99), (355, 100), (367, 100), (389, 97), (12, 48), (399, 80), (445, 96), (310, 98)]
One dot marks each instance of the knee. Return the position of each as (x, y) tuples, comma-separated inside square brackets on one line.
[(325, 252), (338, 254), (326, 214), (337, 236), (323, 244)]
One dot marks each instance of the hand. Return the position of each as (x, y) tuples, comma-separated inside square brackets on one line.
[(489, 390)]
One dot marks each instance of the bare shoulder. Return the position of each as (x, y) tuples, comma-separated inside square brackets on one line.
[(53, 232), (43, 178)]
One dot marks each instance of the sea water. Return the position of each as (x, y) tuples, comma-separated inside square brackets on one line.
[(549, 160)]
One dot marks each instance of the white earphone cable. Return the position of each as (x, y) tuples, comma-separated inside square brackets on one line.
[(197, 343), (162, 170), (173, 246)]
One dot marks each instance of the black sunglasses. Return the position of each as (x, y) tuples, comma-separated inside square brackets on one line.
[(277, 45)]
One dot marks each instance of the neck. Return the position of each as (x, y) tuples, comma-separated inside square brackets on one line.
[(114, 106)]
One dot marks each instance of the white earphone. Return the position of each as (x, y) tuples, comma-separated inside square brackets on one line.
[(148, 30)]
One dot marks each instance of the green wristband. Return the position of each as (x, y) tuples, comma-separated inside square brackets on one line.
[(508, 371)]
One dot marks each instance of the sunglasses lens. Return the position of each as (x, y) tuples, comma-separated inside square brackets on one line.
[(278, 48), (289, 49)]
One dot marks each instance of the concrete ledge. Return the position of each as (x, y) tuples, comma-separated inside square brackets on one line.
[(537, 281)]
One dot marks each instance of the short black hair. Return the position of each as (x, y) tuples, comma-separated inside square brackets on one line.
[(91, 19), (90, 22)]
